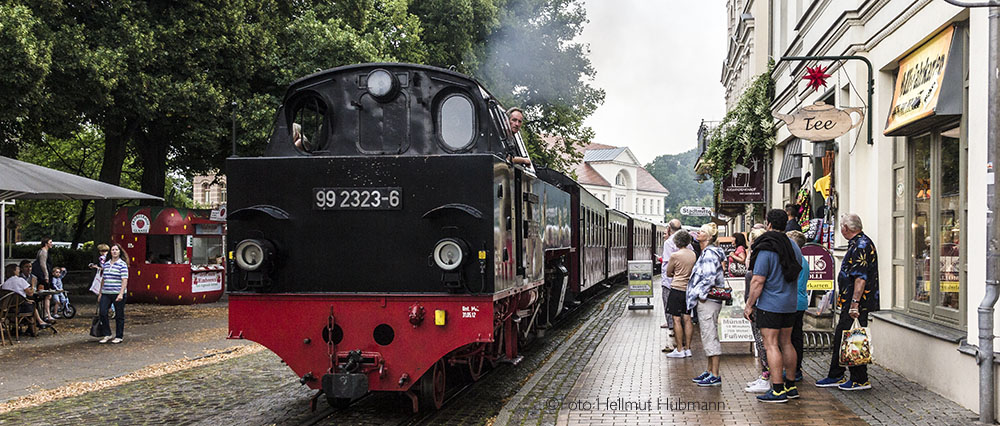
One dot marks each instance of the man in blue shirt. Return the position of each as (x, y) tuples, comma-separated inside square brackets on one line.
[(776, 263)]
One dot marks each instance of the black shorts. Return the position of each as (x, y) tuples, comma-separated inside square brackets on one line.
[(677, 303), (26, 308), (765, 319)]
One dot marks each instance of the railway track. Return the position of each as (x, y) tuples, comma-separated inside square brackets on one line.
[(426, 416)]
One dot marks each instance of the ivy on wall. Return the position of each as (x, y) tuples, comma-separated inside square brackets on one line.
[(746, 131)]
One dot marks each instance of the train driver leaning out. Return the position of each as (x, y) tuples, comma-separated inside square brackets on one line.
[(301, 142), (516, 118)]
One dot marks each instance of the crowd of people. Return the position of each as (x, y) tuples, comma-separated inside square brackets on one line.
[(29, 279), (769, 260)]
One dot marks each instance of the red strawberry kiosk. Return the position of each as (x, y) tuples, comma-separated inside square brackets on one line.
[(175, 255)]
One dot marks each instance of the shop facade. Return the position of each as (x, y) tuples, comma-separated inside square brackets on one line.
[(919, 185)]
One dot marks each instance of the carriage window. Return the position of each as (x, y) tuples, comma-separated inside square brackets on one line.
[(457, 122), (308, 119)]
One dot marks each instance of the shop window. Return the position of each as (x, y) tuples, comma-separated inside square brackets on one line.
[(165, 249), (936, 239), (206, 250)]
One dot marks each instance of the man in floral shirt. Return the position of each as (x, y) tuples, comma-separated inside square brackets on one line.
[(858, 284)]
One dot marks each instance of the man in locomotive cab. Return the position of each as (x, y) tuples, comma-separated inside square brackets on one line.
[(300, 140), (516, 119)]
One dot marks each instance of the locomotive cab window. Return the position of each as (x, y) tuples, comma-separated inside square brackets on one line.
[(457, 122), (307, 129)]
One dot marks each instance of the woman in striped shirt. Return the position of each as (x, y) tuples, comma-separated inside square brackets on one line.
[(113, 286)]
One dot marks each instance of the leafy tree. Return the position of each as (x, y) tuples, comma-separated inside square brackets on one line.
[(531, 60), (676, 173)]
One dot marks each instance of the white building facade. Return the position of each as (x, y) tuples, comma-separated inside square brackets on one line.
[(614, 176), (920, 185)]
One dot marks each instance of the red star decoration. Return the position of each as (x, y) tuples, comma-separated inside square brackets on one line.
[(817, 76)]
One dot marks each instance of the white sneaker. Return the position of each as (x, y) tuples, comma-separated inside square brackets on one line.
[(676, 354), (758, 386), (106, 339), (116, 340), (687, 352), (759, 378)]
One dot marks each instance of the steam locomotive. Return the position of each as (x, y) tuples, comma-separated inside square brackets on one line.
[(385, 234)]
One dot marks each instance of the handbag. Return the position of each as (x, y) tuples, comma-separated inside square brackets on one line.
[(724, 294), (737, 269), (95, 325), (855, 346)]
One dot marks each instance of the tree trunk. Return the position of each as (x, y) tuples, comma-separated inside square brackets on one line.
[(117, 132), (81, 224), (153, 155)]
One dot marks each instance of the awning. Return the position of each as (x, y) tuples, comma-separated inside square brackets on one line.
[(791, 164), (21, 180)]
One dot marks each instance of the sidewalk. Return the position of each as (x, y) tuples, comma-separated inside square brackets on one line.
[(628, 381)]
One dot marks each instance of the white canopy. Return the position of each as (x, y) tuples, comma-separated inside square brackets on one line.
[(21, 180)]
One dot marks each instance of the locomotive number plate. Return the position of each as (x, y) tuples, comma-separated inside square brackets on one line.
[(357, 198)]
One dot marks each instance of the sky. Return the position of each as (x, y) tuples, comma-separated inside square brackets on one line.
[(659, 63)]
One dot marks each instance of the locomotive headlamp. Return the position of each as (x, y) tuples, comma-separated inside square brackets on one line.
[(382, 85), (449, 254), (251, 254)]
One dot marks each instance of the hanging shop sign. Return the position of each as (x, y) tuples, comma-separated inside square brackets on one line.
[(745, 184), (820, 267), (821, 122), (928, 85)]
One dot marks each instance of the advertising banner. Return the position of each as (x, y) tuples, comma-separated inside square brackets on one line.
[(732, 326), (919, 82), (640, 278), (206, 281), (640, 283), (821, 267)]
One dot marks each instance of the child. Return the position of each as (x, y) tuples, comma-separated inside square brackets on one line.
[(57, 275)]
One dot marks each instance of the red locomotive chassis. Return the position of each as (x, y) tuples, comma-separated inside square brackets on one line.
[(396, 334)]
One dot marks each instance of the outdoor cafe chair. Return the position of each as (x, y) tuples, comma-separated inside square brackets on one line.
[(12, 316)]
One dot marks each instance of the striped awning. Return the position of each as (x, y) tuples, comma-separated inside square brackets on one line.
[(791, 165)]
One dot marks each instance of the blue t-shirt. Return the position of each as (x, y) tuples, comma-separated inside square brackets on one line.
[(803, 281), (779, 295)]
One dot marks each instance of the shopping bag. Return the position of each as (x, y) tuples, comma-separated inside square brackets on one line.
[(855, 346), (95, 286)]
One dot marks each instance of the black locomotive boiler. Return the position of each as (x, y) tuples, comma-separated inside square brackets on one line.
[(385, 234)]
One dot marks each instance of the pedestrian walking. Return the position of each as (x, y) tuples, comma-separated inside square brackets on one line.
[(708, 273), (668, 249), (798, 335), (859, 293), (114, 284), (776, 263), (763, 382), (679, 271)]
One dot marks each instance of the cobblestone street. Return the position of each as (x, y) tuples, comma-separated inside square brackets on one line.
[(582, 372)]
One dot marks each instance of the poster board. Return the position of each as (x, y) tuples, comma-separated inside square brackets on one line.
[(640, 283), (732, 326)]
